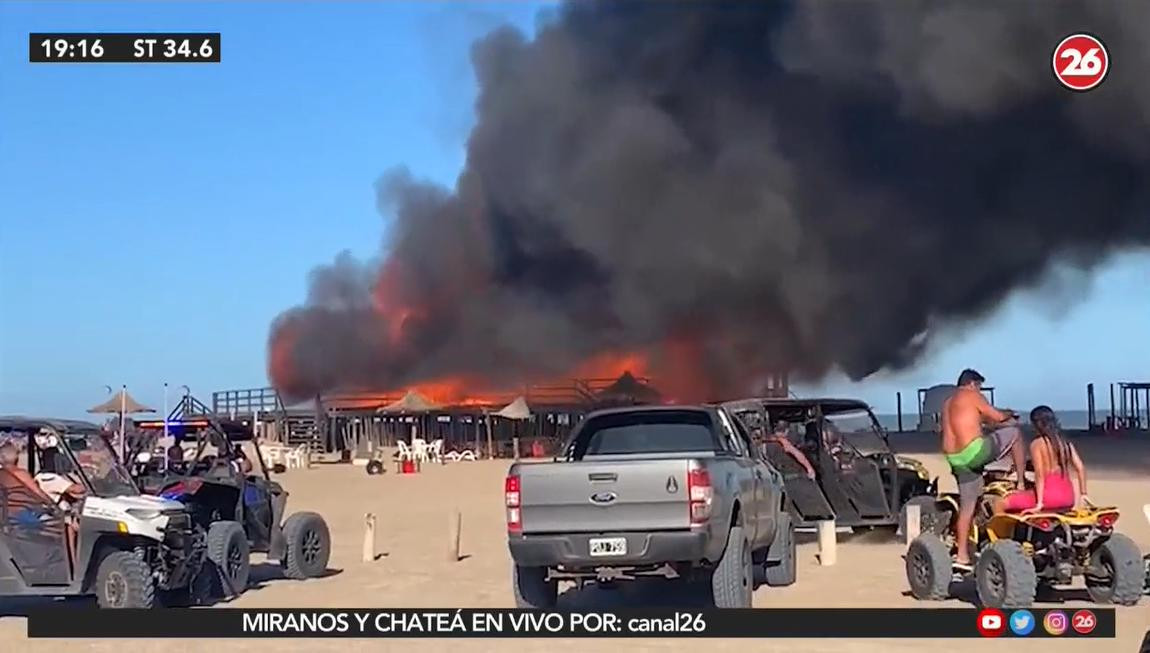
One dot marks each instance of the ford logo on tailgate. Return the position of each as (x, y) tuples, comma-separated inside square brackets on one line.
[(603, 498)]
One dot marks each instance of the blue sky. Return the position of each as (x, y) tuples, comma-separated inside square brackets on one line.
[(155, 218)]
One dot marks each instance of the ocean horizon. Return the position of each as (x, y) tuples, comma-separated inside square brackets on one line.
[(1069, 419)]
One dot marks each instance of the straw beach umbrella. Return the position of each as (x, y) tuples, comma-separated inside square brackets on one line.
[(411, 403), (121, 404), (517, 410)]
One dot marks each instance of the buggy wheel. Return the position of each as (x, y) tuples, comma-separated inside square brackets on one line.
[(532, 589), (227, 561), (308, 546), (928, 568), (374, 468), (1117, 573), (929, 516), (780, 569), (123, 580), (733, 578), (1004, 576)]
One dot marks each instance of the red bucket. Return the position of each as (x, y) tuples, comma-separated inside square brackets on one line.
[(408, 467)]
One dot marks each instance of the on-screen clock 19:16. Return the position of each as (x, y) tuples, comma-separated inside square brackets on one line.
[(61, 49)]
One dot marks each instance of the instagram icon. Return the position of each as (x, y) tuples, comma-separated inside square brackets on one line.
[(1055, 622)]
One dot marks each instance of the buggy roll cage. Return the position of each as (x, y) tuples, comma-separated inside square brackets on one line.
[(807, 410), (31, 427), (192, 417)]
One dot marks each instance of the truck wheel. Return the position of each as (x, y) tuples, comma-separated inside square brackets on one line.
[(781, 566), (532, 589), (1117, 572), (731, 582), (123, 580), (1004, 576), (928, 568), (928, 515), (227, 560), (308, 546)]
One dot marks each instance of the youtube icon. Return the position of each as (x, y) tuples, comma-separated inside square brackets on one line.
[(991, 623)]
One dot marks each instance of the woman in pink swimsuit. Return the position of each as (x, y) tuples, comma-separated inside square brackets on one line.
[(1053, 457)]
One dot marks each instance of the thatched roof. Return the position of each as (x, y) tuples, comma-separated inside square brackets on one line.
[(412, 402), (120, 402), (517, 409)]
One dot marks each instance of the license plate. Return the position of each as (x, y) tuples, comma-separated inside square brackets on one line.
[(608, 546)]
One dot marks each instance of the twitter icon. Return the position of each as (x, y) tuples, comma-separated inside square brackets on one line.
[(1021, 622)]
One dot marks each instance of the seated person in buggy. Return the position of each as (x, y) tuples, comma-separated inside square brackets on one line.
[(779, 436)]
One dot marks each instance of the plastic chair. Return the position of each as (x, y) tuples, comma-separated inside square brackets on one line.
[(419, 449), (295, 457), (405, 452), (435, 450)]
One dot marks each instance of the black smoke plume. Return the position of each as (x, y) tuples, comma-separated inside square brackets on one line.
[(801, 186)]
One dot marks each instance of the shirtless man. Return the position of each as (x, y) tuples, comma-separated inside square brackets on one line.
[(969, 451), (12, 476)]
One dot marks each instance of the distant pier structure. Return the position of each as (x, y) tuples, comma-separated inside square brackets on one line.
[(1131, 411)]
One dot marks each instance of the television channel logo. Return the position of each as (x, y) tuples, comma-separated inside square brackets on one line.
[(1021, 622), (1055, 622), (1083, 622), (991, 623)]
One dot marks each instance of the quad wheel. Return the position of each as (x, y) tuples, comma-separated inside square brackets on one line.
[(308, 546), (928, 568), (1117, 572), (1004, 576)]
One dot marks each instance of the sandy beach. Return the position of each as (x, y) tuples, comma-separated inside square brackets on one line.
[(412, 570)]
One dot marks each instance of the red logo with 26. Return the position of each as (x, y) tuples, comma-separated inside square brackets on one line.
[(1083, 622), (1081, 62)]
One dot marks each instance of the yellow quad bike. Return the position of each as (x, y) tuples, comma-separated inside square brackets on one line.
[(1015, 553)]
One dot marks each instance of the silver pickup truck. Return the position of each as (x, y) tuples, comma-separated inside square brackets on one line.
[(670, 491)]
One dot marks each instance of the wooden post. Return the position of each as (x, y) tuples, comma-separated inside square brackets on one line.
[(369, 538), (490, 441), (454, 533), (827, 541), (898, 397), (515, 438), (913, 522)]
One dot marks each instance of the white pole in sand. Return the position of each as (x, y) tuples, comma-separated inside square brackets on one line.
[(165, 463), (913, 523), (827, 540), (123, 430)]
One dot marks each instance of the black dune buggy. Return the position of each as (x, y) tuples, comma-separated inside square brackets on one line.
[(859, 479), (241, 509)]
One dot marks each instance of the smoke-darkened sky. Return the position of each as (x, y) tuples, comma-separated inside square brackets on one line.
[(749, 187)]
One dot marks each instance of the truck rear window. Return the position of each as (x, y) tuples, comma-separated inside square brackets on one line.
[(663, 431)]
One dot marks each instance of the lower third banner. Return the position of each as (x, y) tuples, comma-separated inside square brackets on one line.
[(846, 623)]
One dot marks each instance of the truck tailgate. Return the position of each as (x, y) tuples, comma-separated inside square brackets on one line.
[(603, 496)]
